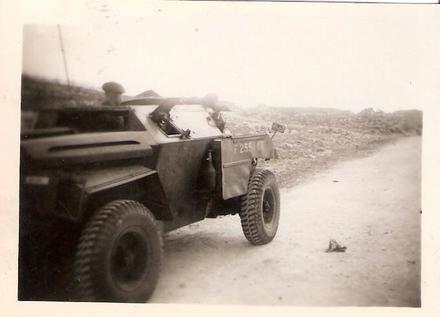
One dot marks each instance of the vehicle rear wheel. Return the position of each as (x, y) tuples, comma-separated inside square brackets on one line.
[(119, 254), (260, 208)]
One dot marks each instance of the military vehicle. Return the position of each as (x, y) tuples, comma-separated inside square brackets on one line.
[(100, 185)]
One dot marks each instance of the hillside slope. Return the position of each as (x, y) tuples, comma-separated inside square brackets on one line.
[(316, 138)]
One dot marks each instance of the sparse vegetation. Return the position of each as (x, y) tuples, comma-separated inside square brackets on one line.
[(318, 137)]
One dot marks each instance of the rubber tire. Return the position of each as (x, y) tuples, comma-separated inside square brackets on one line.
[(255, 229), (92, 267)]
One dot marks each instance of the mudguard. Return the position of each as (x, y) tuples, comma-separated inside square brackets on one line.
[(91, 189), (237, 154)]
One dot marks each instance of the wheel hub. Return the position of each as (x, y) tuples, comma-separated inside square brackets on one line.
[(129, 260), (268, 206)]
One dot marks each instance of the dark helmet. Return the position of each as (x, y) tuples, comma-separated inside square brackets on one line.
[(114, 87)]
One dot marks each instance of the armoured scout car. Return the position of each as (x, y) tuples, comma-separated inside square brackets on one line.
[(100, 185)]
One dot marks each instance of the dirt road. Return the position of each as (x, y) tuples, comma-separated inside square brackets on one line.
[(371, 205)]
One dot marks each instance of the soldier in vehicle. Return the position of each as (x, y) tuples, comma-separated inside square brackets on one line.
[(113, 92), (219, 121), (211, 100)]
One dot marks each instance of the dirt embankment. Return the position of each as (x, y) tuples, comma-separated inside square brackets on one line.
[(315, 139)]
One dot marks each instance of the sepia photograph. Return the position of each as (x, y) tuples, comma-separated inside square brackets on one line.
[(226, 155)]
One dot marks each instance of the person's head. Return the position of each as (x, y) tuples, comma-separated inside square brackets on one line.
[(113, 92), (210, 99)]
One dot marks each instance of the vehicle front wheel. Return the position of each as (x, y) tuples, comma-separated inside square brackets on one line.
[(119, 254), (260, 208)]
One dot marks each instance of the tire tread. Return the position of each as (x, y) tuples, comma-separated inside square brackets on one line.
[(249, 212), (100, 228)]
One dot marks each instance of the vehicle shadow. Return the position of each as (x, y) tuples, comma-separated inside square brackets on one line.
[(192, 254)]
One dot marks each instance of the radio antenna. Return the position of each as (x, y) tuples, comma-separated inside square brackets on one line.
[(64, 59)]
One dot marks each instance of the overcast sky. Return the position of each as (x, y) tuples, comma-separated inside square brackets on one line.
[(347, 58)]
